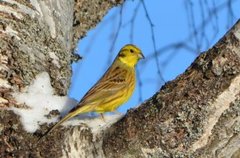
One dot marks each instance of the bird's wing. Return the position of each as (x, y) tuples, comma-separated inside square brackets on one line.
[(112, 81)]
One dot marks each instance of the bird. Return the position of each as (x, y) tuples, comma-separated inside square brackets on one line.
[(113, 89)]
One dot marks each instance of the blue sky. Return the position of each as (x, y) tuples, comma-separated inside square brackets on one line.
[(180, 30)]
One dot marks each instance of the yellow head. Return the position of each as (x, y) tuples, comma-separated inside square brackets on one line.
[(130, 55)]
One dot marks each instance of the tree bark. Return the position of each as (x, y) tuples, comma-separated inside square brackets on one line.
[(196, 115), (38, 36)]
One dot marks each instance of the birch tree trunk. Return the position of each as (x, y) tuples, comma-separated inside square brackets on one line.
[(196, 115), (38, 36)]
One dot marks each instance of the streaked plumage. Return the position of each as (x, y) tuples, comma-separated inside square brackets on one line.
[(113, 89)]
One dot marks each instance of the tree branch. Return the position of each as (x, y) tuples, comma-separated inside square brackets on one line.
[(196, 114)]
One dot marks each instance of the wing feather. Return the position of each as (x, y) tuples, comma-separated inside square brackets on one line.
[(113, 81)]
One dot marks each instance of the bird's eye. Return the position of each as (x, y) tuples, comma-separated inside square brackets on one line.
[(131, 51)]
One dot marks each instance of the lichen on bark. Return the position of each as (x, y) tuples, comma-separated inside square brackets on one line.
[(179, 119)]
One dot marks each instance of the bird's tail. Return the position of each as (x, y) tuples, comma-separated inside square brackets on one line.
[(72, 113)]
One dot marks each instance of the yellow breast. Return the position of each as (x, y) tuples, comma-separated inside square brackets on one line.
[(120, 97)]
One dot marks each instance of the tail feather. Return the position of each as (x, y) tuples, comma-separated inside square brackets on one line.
[(71, 114)]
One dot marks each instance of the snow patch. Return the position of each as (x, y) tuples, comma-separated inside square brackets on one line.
[(40, 99), (96, 123)]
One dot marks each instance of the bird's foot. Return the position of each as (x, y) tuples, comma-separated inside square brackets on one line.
[(102, 117), (117, 112)]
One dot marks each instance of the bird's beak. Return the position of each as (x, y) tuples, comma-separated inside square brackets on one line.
[(141, 56)]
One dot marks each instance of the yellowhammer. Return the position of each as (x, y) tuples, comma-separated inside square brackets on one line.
[(113, 89)]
